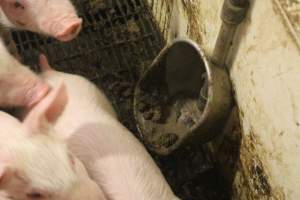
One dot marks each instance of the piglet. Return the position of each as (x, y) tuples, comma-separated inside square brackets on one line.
[(114, 158), (35, 162), (55, 18)]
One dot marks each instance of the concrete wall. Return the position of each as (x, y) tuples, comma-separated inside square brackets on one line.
[(266, 77), (265, 72)]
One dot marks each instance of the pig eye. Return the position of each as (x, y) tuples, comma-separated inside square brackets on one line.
[(18, 4), (35, 195)]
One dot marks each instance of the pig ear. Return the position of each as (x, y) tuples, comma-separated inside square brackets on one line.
[(43, 62), (14, 7), (5, 161), (47, 110), (15, 11)]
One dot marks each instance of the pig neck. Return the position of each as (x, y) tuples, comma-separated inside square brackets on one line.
[(101, 142), (124, 169), (86, 104)]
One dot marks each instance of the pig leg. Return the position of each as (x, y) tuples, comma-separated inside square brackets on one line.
[(19, 86)]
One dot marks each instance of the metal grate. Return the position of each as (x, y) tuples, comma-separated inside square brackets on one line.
[(116, 42)]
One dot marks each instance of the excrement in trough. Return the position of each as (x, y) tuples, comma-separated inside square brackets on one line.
[(118, 40)]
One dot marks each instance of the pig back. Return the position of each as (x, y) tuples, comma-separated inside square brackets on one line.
[(118, 162), (86, 103), (113, 157)]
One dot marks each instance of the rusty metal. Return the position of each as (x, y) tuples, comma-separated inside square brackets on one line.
[(233, 13), (176, 76), (181, 74)]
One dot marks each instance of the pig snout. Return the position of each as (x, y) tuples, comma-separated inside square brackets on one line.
[(55, 18), (69, 30), (63, 29)]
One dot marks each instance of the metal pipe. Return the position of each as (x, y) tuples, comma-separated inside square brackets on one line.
[(240, 3), (233, 13)]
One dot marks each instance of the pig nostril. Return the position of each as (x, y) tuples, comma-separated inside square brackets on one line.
[(17, 4), (70, 32), (35, 195), (74, 30)]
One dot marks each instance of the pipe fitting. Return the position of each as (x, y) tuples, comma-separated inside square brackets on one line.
[(234, 11)]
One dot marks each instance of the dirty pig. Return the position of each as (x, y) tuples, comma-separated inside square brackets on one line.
[(113, 157), (55, 18), (35, 163)]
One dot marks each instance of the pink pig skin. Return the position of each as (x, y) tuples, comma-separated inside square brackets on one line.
[(114, 158), (35, 162), (19, 86), (55, 18)]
